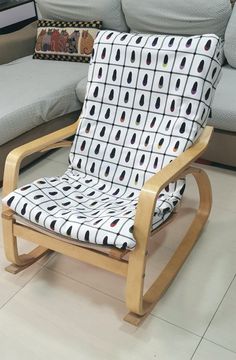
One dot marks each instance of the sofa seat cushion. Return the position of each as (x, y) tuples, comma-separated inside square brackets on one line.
[(224, 107), (35, 92)]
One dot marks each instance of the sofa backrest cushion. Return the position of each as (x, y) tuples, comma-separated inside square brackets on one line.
[(180, 17), (109, 11), (230, 40)]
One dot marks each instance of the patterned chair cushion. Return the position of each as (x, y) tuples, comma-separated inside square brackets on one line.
[(148, 98)]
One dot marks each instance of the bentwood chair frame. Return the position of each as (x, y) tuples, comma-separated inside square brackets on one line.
[(111, 258)]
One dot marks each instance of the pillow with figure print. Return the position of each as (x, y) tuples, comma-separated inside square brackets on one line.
[(65, 40)]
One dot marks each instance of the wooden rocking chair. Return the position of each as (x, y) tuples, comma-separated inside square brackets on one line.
[(109, 257)]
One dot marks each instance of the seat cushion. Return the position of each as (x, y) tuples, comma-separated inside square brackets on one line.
[(88, 209), (34, 92), (224, 107)]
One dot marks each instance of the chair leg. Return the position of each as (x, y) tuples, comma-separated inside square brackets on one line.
[(19, 262), (139, 305), (134, 285)]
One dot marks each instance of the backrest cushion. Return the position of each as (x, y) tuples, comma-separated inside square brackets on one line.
[(108, 11), (230, 40), (148, 97), (180, 17)]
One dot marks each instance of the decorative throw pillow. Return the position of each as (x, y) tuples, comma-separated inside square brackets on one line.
[(65, 40)]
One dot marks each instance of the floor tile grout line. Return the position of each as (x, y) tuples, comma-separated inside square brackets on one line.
[(178, 326), (92, 288), (203, 338), (193, 354), (116, 298), (195, 350), (22, 287), (89, 286), (44, 266), (222, 346), (82, 283), (231, 282)]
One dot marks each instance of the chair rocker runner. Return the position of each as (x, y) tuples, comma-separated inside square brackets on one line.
[(148, 98)]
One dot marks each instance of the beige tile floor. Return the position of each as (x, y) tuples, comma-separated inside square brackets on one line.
[(61, 309)]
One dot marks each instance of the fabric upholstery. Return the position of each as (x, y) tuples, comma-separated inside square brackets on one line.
[(65, 40), (147, 100), (41, 130), (109, 11), (81, 89), (177, 17), (223, 106), (230, 40), (35, 92)]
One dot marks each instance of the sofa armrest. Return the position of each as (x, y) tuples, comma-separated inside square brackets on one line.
[(18, 43), (45, 143)]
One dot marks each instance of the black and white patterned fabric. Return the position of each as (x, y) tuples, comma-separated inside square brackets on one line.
[(148, 98)]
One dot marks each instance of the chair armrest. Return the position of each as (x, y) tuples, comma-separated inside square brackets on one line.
[(154, 185), (15, 157), (18, 43)]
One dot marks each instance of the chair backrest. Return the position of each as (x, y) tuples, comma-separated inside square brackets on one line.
[(148, 98)]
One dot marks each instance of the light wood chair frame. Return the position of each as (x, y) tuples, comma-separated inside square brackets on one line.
[(112, 259)]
